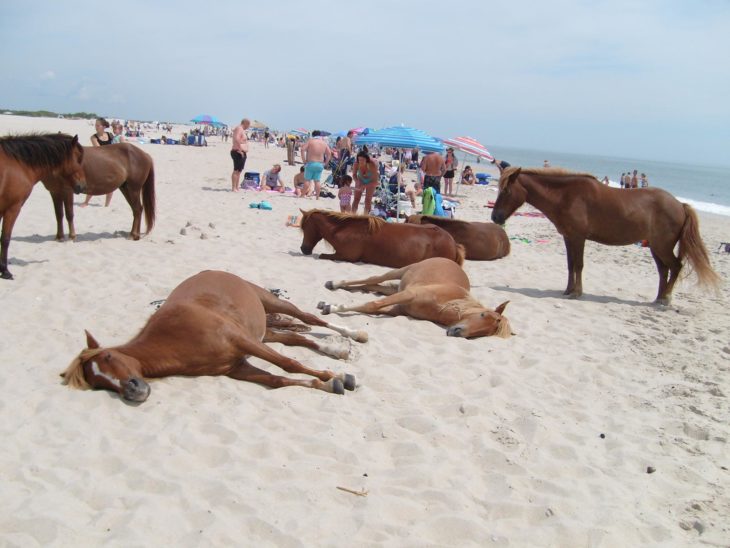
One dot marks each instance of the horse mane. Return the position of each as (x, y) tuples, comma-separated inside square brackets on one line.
[(74, 373), (542, 171), (374, 223), (44, 150), (470, 304)]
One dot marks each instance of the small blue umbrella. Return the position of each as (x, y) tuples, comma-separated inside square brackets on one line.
[(401, 137)]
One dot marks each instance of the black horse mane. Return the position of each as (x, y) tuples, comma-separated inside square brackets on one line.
[(45, 150)]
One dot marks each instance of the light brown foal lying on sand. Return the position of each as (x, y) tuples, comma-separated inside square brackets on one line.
[(209, 325), (435, 289)]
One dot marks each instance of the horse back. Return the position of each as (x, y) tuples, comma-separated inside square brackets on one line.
[(397, 245), (435, 270)]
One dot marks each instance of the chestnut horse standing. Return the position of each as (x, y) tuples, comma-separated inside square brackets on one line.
[(24, 160), (436, 290), (482, 241), (372, 240), (208, 325), (123, 166), (581, 208)]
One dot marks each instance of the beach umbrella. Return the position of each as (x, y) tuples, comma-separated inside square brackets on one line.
[(361, 130), (258, 125), (324, 133), (470, 146), (207, 120), (401, 137)]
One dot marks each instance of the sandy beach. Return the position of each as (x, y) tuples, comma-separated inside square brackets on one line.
[(542, 439)]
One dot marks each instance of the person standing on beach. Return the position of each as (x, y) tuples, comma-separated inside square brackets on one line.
[(344, 150), (450, 163), (315, 153), (634, 180), (433, 167), (546, 163), (644, 182), (366, 175), (621, 180), (101, 138), (239, 152)]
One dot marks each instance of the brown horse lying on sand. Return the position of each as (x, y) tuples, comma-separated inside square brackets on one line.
[(123, 166), (372, 240), (209, 325), (436, 290), (581, 208), (482, 241), (24, 160)]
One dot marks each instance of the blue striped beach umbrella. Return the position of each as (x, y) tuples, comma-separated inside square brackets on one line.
[(401, 137)]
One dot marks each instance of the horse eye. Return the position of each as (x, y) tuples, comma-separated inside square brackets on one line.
[(484, 315), (108, 356)]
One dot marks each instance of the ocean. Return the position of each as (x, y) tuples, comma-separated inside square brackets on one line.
[(706, 188)]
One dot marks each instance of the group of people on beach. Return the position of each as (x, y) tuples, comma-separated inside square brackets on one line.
[(632, 180)]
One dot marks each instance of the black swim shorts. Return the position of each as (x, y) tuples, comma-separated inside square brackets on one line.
[(239, 160), (432, 181)]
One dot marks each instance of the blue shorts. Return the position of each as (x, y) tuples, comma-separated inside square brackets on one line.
[(313, 171)]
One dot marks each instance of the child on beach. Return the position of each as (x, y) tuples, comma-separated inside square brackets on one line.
[(345, 194)]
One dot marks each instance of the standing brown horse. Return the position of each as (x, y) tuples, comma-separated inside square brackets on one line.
[(208, 325), (581, 208), (482, 241), (123, 166), (372, 240), (436, 290), (24, 160)]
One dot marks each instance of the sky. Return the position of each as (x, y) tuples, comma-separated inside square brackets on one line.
[(636, 79)]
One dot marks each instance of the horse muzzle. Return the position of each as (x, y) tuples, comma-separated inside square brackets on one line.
[(79, 187), (135, 390), (498, 217), (306, 250), (455, 331)]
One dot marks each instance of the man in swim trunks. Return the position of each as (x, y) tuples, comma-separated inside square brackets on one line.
[(239, 152), (433, 167), (315, 153)]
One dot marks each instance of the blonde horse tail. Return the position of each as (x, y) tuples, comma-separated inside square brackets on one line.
[(148, 198), (692, 248), (460, 254)]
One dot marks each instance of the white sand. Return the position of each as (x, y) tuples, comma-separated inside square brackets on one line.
[(457, 442)]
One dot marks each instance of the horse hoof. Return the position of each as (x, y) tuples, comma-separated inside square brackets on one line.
[(361, 337), (326, 309), (663, 302), (338, 387), (6, 275), (329, 284), (321, 304), (350, 382)]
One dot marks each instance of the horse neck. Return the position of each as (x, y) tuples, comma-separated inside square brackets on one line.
[(542, 193), (150, 352)]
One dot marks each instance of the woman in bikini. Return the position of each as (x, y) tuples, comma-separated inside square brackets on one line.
[(366, 177)]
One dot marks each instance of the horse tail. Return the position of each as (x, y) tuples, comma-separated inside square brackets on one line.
[(460, 254), (148, 198), (693, 249)]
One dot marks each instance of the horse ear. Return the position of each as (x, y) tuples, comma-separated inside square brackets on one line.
[(300, 209), (91, 341), (514, 174), (501, 307), (75, 140)]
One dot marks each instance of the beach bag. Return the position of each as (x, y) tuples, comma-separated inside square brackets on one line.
[(438, 208), (429, 202)]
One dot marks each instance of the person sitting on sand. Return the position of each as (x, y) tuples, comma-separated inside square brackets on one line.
[(272, 179), (467, 176), (299, 182)]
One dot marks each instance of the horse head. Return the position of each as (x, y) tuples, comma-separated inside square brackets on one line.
[(312, 234), (72, 169), (107, 369), (511, 195), (484, 323)]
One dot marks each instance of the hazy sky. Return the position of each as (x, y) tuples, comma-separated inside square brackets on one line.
[(644, 79)]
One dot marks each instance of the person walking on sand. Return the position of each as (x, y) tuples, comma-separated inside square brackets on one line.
[(433, 167), (101, 138), (239, 152), (315, 153)]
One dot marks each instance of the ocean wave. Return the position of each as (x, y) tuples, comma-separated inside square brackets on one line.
[(707, 207)]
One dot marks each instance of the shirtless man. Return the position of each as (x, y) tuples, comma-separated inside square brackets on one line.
[(299, 183), (344, 148), (315, 153), (239, 152), (433, 167)]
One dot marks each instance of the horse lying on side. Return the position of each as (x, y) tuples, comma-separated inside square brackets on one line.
[(208, 325), (123, 166), (372, 240), (436, 290), (483, 241)]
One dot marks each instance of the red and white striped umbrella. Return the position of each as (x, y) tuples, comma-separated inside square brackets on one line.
[(470, 146)]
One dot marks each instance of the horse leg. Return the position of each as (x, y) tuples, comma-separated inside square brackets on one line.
[(134, 201), (8, 217), (666, 261), (244, 371), (324, 380), (389, 305), (295, 339), (58, 210), (274, 305), (373, 281), (578, 249), (68, 204), (337, 256)]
